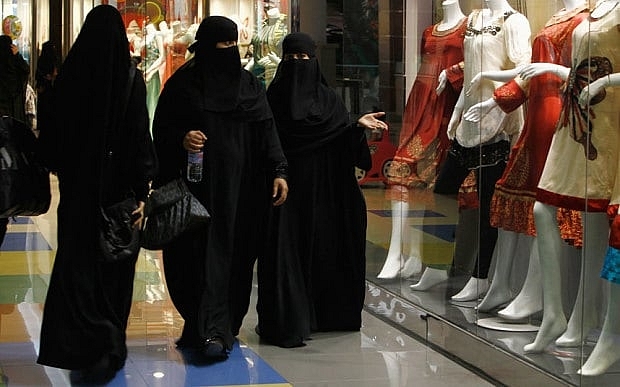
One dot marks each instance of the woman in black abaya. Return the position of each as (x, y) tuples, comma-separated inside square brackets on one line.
[(312, 276), (88, 301)]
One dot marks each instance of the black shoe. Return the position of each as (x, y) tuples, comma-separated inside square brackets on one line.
[(215, 349), (188, 343), (98, 374)]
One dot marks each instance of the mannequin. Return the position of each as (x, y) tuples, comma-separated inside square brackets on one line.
[(496, 36), (153, 58), (513, 201), (423, 141), (135, 38), (166, 35), (268, 46), (585, 141)]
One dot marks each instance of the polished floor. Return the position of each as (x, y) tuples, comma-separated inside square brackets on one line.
[(378, 355)]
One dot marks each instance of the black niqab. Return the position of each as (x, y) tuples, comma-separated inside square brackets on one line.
[(220, 68), (308, 112)]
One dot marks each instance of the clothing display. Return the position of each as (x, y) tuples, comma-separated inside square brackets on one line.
[(490, 44), (423, 140), (587, 139), (515, 192)]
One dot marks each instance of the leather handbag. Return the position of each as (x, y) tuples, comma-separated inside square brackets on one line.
[(170, 211), (119, 239), (24, 182)]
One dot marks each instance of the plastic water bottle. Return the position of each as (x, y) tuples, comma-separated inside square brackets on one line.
[(194, 166)]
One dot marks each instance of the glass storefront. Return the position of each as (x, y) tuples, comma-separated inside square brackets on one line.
[(492, 195)]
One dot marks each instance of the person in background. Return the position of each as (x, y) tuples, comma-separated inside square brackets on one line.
[(47, 70), (101, 149), (312, 276), (14, 71), (211, 104)]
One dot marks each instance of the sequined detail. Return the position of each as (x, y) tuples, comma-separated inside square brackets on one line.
[(611, 267)]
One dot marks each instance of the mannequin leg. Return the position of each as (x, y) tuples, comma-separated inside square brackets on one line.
[(499, 292), (430, 278), (585, 312), (607, 349), (393, 262), (473, 289), (529, 299), (549, 248), (413, 264)]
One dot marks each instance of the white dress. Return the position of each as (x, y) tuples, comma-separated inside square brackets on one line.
[(581, 171), (500, 45)]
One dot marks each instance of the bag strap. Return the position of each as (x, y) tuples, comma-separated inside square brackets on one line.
[(126, 97)]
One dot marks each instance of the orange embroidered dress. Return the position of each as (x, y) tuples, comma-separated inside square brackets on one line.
[(515, 193), (423, 139)]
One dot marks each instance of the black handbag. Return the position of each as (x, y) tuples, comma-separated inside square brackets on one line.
[(118, 238), (24, 182), (170, 211)]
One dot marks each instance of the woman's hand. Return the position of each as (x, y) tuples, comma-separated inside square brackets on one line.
[(371, 121), (194, 140), (138, 215), (280, 191)]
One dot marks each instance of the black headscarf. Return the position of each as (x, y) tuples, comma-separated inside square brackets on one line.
[(47, 63), (91, 83), (97, 67), (308, 112), (220, 68), (14, 71)]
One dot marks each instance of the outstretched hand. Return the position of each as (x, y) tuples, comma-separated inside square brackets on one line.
[(372, 121)]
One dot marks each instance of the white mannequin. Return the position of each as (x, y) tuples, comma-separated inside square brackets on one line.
[(607, 349), (499, 292), (270, 41), (476, 287), (596, 229), (394, 265), (152, 34)]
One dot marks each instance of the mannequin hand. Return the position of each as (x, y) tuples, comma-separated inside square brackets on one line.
[(274, 58), (477, 111), (194, 140), (280, 191), (453, 124), (591, 91), (536, 69), (442, 81), (250, 65), (371, 121), (264, 61)]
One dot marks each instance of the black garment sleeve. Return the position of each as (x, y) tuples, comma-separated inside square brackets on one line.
[(361, 151)]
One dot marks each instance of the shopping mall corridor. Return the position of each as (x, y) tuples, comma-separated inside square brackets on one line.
[(378, 355)]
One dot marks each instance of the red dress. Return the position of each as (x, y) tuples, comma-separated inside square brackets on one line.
[(515, 192), (423, 139)]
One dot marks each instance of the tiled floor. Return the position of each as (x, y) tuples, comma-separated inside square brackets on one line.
[(378, 355)]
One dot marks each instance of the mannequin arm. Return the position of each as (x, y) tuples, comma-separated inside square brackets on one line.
[(499, 76), (456, 116), (597, 86), (477, 111), (536, 69)]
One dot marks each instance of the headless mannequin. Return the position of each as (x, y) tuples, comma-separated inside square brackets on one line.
[(529, 300), (606, 351), (596, 230), (394, 265), (476, 287)]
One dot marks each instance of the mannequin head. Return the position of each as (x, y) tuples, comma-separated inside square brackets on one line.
[(497, 5)]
